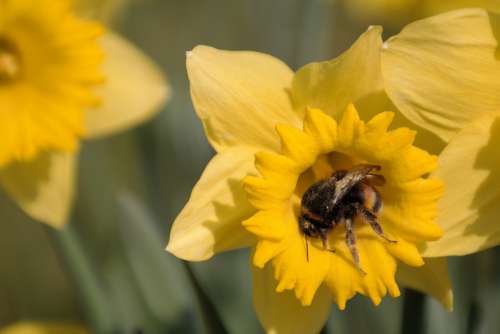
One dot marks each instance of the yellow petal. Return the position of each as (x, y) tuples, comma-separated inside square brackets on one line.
[(44, 187), (134, 91), (470, 169), (298, 146), (240, 96), (332, 85), (349, 128), (281, 312), (432, 278), (211, 220), (406, 252), (266, 224), (442, 72), (272, 165), (322, 128), (43, 328)]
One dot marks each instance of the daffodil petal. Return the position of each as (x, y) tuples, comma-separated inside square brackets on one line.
[(431, 278), (281, 312), (134, 90), (240, 96), (469, 168), (442, 72), (211, 220), (44, 187), (332, 85), (43, 328)]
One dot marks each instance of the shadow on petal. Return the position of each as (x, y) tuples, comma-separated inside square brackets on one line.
[(231, 236), (487, 196), (43, 188), (495, 28), (23, 179)]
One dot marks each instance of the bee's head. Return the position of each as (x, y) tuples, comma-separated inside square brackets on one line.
[(308, 226)]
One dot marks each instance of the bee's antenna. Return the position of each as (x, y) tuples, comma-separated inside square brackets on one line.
[(307, 248)]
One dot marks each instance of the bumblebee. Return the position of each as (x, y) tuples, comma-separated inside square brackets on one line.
[(340, 199)]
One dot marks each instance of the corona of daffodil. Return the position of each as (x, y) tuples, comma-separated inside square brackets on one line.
[(62, 79), (277, 134)]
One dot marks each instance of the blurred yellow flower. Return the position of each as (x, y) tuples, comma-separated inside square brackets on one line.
[(403, 11), (48, 63), (43, 328), (51, 61)]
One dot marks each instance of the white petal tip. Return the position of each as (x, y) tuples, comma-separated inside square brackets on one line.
[(170, 249), (183, 253)]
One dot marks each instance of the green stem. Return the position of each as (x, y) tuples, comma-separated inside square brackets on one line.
[(413, 312), (474, 317), (76, 263), (211, 319), (324, 330)]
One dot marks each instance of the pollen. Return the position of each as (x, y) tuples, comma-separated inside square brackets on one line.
[(342, 237), (49, 65)]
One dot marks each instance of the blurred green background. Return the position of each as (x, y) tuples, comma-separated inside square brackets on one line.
[(108, 269)]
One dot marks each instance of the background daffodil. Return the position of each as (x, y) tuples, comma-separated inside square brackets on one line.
[(438, 76), (399, 12), (43, 328), (63, 79)]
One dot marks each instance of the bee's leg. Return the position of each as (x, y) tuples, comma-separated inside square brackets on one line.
[(307, 248), (324, 238), (371, 219), (350, 239)]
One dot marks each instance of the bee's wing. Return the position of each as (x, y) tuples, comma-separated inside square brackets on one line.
[(353, 177)]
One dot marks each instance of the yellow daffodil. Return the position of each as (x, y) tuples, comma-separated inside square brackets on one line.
[(43, 328), (62, 79), (403, 11), (279, 134)]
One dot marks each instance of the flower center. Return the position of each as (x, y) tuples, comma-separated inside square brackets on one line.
[(319, 206), (9, 61), (340, 199)]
